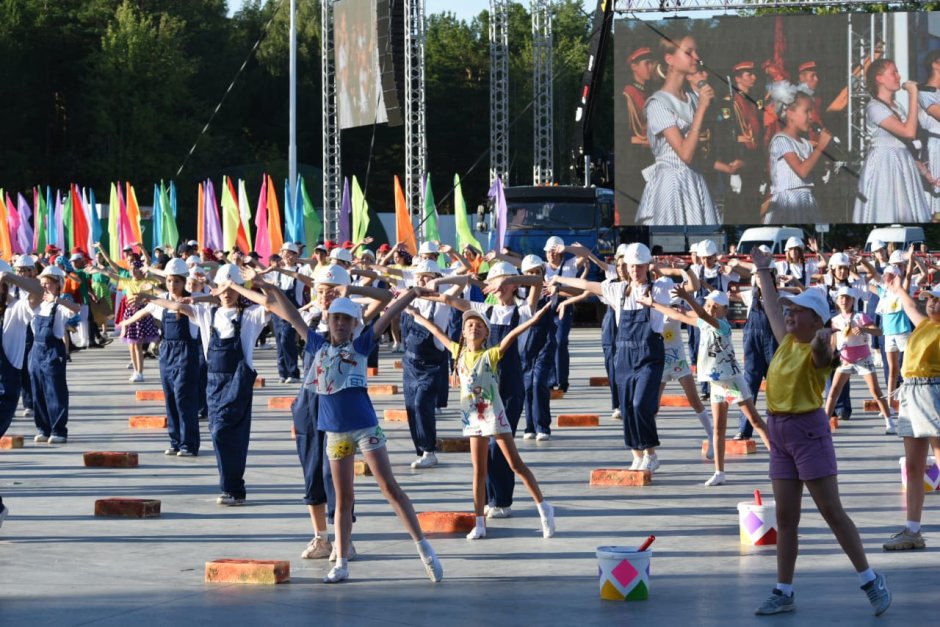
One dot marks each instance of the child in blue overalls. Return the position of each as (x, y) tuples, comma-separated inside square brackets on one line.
[(15, 315), (538, 361), (47, 359), (25, 266)]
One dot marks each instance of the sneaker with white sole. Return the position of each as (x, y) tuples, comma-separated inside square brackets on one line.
[(57, 439), (542, 437), (428, 460), (291, 380), (171, 451), (432, 566), (548, 520), (650, 462), (905, 540), (716, 479), (130, 365), (41, 437), (776, 603), (476, 533), (318, 548), (26, 413), (498, 512), (616, 415), (336, 575), (528, 436), (230, 501), (637, 461), (185, 453), (349, 558), (878, 594)]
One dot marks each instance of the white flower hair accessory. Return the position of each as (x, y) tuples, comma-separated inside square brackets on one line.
[(782, 93)]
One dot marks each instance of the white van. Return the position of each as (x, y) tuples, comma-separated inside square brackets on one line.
[(774, 237), (901, 236)]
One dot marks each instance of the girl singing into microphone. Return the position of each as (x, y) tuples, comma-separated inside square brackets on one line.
[(675, 192), (792, 159), (890, 188), (929, 102)]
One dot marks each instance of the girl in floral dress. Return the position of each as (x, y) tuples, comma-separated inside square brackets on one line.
[(482, 410)]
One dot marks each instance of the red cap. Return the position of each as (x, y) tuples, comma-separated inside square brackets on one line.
[(330, 245), (639, 54), (743, 65), (384, 248), (809, 65), (208, 252), (347, 245), (50, 248)]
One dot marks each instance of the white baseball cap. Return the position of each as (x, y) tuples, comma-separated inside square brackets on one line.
[(192, 260), (845, 290), (530, 262), (343, 305), (621, 251), (196, 273), (473, 313), (877, 244), (428, 248), (811, 299), (890, 269), (764, 248), (552, 242), (638, 253), (229, 272), (934, 291), (501, 268), (332, 275), (53, 271), (341, 254), (290, 247), (427, 266), (176, 267), (76, 257), (193, 242), (25, 261), (839, 259), (718, 297), (897, 257), (794, 242), (707, 248), (365, 252)]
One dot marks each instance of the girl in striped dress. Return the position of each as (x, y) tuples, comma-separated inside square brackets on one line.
[(890, 187), (930, 104), (676, 193), (792, 159)]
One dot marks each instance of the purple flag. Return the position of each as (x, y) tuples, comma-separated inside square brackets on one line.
[(24, 234), (57, 235), (213, 226), (496, 191), (345, 212)]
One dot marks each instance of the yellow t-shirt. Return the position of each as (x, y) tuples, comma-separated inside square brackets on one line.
[(794, 384), (133, 287), (471, 357), (922, 355)]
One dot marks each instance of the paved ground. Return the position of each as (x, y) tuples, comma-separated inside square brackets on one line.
[(59, 565)]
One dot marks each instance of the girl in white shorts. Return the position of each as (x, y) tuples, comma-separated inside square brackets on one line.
[(851, 340)]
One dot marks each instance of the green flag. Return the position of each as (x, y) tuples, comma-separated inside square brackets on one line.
[(464, 232), (169, 235), (360, 213), (41, 220), (430, 214), (313, 227), (67, 222)]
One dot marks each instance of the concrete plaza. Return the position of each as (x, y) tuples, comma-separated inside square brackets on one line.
[(60, 565)]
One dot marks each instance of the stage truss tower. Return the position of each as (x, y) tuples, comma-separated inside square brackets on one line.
[(543, 111), (499, 90), (332, 156), (416, 147)]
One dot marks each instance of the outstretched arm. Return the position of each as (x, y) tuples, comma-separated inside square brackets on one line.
[(395, 308), (522, 328), (910, 307), (769, 296), (430, 326)]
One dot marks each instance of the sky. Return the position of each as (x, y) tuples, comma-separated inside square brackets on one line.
[(463, 9)]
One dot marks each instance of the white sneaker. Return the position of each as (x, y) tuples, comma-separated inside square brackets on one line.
[(650, 462), (432, 566), (57, 439), (542, 437), (171, 451), (41, 438), (616, 415), (26, 413), (318, 548), (548, 520), (336, 574), (130, 365), (428, 460), (716, 479), (637, 461), (528, 436), (477, 533), (349, 558), (498, 512), (291, 380)]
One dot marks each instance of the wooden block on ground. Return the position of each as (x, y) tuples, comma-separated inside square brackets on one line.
[(453, 445), (280, 402), (598, 382), (872, 405), (147, 422), (150, 395), (11, 441), (396, 415), (397, 365), (674, 400), (362, 469), (579, 420), (293, 432), (620, 477), (383, 390), (372, 372), (556, 394), (128, 508), (447, 522), (259, 382), (110, 459), (264, 572), (735, 447)]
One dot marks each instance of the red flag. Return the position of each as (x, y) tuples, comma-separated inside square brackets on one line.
[(80, 228)]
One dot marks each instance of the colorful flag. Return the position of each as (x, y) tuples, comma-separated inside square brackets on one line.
[(360, 212), (345, 209), (230, 216), (133, 216), (431, 232), (404, 229), (262, 235), (496, 192), (244, 214), (6, 247), (313, 227), (274, 219), (156, 219), (25, 233), (213, 229), (13, 225), (114, 229), (80, 230), (293, 214), (40, 220), (94, 221), (169, 235), (201, 217), (464, 232)]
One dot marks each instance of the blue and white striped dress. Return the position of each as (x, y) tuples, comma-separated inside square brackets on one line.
[(674, 192), (791, 200), (932, 126), (890, 188)]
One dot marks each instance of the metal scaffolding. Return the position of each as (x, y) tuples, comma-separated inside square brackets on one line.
[(416, 147), (867, 41), (679, 6), (332, 157), (499, 90), (543, 111)]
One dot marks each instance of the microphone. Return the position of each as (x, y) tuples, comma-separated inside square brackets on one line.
[(701, 84), (907, 84), (818, 129)]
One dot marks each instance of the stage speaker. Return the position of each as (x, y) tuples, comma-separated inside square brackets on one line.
[(390, 23)]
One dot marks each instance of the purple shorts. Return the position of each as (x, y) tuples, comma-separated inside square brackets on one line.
[(801, 446)]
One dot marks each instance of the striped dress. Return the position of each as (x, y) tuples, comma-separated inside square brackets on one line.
[(674, 193), (932, 126), (791, 200), (890, 188)]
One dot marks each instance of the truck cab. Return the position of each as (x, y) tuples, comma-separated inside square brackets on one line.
[(901, 236), (774, 237)]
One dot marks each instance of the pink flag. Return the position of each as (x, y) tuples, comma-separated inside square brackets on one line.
[(125, 231), (25, 233), (262, 237), (13, 225)]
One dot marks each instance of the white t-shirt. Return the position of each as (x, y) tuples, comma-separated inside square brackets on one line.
[(286, 283), (796, 270), (613, 292), (502, 314), (157, 312), (18, 315), (568, 268), (62, 316), (714, 276), (253, 320), (441, 316)]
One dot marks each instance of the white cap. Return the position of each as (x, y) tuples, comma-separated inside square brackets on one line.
[(897, 257), (934, 291), (290, 247), (501, 268), (25, 261), (621, 251), (332, 275), (552, 242), (343, 305), (366, 252), (427, 266), (764, 248), (638, 253), (890, 269), (76, 257), (530, 262), (341, 254), (428, 248), (693, 249), (473, 313), (196, 273), (845, 290), (193, 242), (53, 271), (229, 272), (794, 242), (811, 299), (877, 244), (719, 297), (176, 267), (707, 248), (192, 260), (838, 260), (5, 267)]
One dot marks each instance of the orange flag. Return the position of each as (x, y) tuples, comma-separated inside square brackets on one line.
[(133, 213), (274, 219), (404, 229), (6, 246)]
